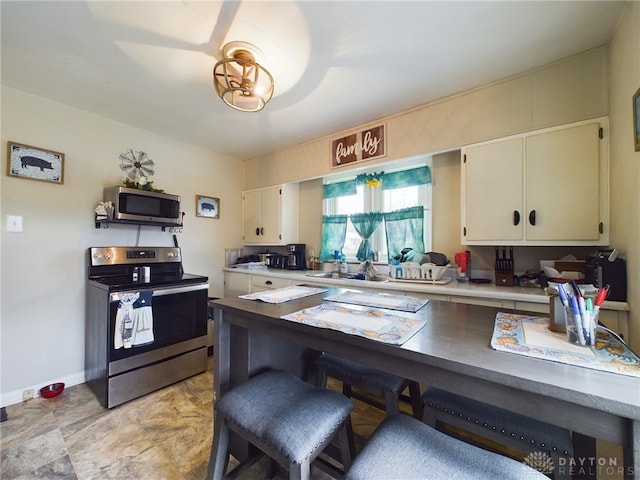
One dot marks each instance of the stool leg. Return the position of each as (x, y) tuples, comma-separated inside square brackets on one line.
[(347, 444), (392, 403), (346, 389), (429, 416), (321, 378), (416, 400), (301, 471), (271, 469), (219, 457)]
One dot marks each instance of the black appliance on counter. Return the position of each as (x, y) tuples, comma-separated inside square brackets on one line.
[(174, 343), (604, 268), (297, 257), (277, 261)]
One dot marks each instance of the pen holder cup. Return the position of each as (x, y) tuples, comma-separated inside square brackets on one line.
[(580, 329)]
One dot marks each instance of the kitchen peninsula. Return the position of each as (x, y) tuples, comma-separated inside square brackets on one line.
[(452, 351), (239, 281)]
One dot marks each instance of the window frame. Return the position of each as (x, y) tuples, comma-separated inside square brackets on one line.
[(373, 199)]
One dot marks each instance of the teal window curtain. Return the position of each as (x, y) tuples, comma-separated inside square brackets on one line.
[(334, 231), (339, 189), (407, 178), (404, 228), (365, 224)]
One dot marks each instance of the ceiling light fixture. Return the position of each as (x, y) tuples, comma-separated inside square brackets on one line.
[(240, 81)]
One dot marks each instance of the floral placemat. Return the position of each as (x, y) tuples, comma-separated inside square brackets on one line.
[(284, 294), (530, 336), (370, 323), (380, 300)]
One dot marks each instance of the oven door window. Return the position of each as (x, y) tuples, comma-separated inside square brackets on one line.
[(177, 317)]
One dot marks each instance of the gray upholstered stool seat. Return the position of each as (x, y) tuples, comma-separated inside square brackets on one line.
[(371, 380), (289, 420), (515, 431), (405, 448)]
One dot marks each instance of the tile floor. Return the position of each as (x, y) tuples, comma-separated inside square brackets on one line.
[(164, 435)]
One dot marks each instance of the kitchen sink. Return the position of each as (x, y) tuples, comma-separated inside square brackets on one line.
[(347, 276)]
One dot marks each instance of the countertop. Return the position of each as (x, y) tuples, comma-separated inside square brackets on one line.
[(454, 288)]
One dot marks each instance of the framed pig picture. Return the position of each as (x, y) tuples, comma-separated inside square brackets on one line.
[(207, 207), (34, 163)]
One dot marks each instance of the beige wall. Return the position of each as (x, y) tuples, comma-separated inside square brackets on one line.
[(571, 90), (43, 268), (625, 161)]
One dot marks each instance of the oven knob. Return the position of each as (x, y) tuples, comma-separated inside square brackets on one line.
[(107, 256)]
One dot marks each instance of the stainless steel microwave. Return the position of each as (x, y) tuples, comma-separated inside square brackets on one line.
[(142, 206)]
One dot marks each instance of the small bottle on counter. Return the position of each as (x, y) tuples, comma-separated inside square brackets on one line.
[(336, 265), (344, 266)]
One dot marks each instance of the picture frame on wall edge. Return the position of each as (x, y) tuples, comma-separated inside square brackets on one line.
[(208, 207), (636, 120), (34, 163)]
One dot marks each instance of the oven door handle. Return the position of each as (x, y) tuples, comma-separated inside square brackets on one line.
[(115, 297)]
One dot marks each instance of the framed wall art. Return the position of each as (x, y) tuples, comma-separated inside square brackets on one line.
[(636, 120), (207, 207), (34, 163)]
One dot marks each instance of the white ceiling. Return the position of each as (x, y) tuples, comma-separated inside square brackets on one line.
[(336, 64)]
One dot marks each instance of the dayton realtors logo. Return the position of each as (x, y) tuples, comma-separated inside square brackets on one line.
[(540, 461), (597, 467)]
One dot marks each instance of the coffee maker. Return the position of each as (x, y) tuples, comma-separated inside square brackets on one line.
[(296, 259)]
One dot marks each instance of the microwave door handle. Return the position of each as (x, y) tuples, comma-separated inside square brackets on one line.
[(114, 297)]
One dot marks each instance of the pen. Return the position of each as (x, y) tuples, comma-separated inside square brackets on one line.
[(577, 319), (576, 288), (602, 295), (563, 295)]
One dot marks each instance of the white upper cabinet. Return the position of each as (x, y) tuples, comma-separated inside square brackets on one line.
[(549, 187), (270, 215)]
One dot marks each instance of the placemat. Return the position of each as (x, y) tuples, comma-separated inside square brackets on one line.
[(380, 300), (370, 323), (284, 294), (530, 336)]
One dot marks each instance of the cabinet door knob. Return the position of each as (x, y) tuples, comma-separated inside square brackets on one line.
[(532, 217), (516, 217), (261, 231), (268, 282), (257, 231)]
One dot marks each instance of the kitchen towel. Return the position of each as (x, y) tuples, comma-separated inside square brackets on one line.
[(134, 320), (530, 336), (143, 320)]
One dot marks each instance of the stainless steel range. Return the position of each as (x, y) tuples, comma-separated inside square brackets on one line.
[(146, 322)]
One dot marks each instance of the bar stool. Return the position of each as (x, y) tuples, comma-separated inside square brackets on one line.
[(287, 419), (512, 430), (403, 447), (376, 382)]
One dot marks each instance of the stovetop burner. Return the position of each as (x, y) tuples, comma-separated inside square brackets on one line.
[(126, 283), (112, 268)]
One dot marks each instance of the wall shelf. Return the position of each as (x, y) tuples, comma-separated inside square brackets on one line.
[(104, 223)]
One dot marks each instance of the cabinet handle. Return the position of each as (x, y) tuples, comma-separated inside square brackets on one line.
[(516, 217), (257, 231), (268, 282), (532, 217)]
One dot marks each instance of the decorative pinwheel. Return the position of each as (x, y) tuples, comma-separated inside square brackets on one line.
[(137, 165)]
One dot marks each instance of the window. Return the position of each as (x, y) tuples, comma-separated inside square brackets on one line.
[(369, 199)]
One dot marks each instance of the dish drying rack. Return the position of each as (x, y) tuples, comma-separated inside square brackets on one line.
[(414, 272)]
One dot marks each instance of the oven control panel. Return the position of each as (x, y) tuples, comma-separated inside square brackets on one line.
[(99, 256)]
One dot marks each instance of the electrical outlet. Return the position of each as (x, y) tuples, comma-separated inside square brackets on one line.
[(14, 223), (27, 394)]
